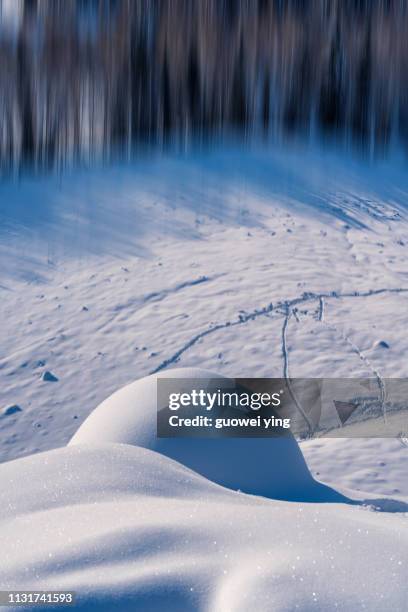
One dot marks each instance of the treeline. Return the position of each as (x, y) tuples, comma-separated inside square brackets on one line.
[(84, 77)]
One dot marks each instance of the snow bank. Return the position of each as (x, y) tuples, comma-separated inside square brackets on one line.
[(270, 467), (130, 529)]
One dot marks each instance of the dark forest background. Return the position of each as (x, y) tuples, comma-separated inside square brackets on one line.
[(80, 78)]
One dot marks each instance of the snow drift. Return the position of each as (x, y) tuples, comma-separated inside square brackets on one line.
[(128, 528), (268, 466)]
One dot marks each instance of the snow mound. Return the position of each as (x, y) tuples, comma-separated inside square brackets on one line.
[(127, 529), (261, 466)]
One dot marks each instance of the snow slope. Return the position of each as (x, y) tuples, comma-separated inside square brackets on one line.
[(247, 262), (377, 466), (131, 529)]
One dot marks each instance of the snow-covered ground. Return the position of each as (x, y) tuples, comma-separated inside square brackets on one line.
[(125, 525), (253, 262), (130, 529), (110, 274)]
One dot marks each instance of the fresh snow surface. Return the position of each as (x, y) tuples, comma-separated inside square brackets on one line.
[(247, 263), (130, 529), (377, 466), (109, 275), (129, 416)]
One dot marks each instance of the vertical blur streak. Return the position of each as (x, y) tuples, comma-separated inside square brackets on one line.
[(81, 78)]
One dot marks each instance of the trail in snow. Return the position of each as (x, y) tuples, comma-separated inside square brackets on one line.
[(285, 355), (287, 305), (367, 362), (157, 296), (135, 304)]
